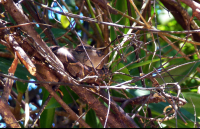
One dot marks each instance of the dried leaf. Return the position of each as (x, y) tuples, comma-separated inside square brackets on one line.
[(13, 66)]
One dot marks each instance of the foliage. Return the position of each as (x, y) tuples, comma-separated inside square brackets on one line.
[(155, 59)]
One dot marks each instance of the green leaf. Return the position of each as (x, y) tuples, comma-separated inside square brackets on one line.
[(93, 16), (58, 32), (92, 120), (180, 72), (64, 21), (142, 63), (68, 94), (192, 98), (46, 118), (121, 5), (67, 98), (21, 71), (138, 92), (52, 103), (120, 76), (157, 109), (21, 87), (70, 2), (121, 94)]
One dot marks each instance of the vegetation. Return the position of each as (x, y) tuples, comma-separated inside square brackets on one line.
[(99, 63)]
